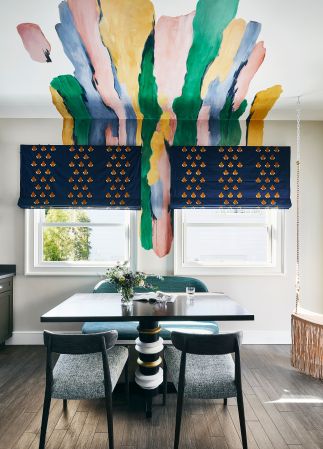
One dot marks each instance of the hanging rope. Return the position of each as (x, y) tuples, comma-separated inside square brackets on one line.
[(306, 326), (298, 163)]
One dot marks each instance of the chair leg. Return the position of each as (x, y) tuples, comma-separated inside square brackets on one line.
[(225, 401), (164, 383), (126, 375), (242, 421), (179, 410), (108, 406), (46, 407), (64, 405)]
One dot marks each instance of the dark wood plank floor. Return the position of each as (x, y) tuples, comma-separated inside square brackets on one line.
[(284, 410)]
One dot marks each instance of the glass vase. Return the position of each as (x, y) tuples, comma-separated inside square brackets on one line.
[(127, 295)]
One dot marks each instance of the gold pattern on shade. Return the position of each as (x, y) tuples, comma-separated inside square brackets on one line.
[(194, 177), (81, 177), (231, 176)]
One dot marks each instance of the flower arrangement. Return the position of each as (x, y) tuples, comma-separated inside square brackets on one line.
[(125, 281)]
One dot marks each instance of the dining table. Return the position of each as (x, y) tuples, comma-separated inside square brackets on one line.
[(107, 307)]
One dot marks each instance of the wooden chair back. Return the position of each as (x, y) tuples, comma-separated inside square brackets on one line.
[(80, 343), (206, 344)]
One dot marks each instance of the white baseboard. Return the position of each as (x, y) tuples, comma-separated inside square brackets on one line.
[(26, 338), (249, 338)]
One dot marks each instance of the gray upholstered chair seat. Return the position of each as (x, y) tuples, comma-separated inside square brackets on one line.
[(81, 376), (206, 377)]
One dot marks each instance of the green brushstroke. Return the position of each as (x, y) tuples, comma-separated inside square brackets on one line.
[(152, 112), (211, 18), (230, 128), (72, 93)]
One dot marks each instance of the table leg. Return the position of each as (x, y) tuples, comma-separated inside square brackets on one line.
[(149, 374)]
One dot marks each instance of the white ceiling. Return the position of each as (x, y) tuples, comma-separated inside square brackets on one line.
[(291, 30)]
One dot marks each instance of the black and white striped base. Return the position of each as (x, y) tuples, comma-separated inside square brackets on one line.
[(149, 374)]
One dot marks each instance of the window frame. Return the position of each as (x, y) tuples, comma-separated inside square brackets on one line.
[(33, 246), (277, 242)]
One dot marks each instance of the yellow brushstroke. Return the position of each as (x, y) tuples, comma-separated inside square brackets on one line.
[(221, 65), (68, 122), (125, 26), (157, 143), (261, 105)]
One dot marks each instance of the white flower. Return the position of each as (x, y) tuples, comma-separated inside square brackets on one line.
[(142, 283)]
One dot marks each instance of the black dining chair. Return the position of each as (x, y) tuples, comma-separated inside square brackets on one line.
[(88, 367), (201, 366)]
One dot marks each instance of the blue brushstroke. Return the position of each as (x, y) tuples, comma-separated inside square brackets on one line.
[(156, 198), (131, 118), (102, 116), (131, 123), (218, 92)]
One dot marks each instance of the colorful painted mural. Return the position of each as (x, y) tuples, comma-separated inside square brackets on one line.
[(178, 80)]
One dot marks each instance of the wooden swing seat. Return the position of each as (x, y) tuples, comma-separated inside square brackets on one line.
[(307, 342)]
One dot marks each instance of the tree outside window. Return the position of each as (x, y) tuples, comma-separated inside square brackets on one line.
[(63, 243)]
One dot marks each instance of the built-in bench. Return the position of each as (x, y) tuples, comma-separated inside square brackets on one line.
[(128, 330)]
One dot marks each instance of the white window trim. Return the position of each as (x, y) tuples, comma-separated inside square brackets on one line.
[(276, 267), (35, 267)]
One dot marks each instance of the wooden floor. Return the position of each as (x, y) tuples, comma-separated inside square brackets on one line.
[(284, 410)]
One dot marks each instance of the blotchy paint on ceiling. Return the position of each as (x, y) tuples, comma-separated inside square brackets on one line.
[(182, 80)]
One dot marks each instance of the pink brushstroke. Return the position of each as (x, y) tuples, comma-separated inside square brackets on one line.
[(86, 18), (162, 228), (172, 125), (173, 40), (247, 73), (34, 41), (203, 133)]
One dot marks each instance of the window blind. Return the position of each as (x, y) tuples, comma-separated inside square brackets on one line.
[(79, 176), (235, 176)]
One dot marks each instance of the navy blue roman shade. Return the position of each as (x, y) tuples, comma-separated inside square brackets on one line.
[(79, 176), (237, 176)]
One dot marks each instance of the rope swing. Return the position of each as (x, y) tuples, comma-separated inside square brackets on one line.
[(307, 326)]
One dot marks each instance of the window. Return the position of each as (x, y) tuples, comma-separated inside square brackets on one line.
[(77, 241), (227, 242)]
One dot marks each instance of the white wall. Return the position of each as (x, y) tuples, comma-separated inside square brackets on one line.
[(270, 298)]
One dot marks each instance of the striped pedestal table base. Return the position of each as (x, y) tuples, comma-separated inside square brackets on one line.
[(149, 374)]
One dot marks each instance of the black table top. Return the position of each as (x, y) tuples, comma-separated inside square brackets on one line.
[(107, 307)]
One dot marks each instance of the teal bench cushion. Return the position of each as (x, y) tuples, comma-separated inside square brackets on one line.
[(127, 330)]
